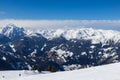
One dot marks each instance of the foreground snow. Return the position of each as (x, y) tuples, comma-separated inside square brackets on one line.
[(10, 75), (106, 72)]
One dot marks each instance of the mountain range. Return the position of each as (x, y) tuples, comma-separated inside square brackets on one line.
[(57, 49)]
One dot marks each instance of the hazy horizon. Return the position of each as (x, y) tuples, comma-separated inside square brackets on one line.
[(64, 24)]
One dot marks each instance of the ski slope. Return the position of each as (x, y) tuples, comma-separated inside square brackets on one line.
[(105, 72)]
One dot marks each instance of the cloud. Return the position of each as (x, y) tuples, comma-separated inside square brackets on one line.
[(64, 24), (2, 12)]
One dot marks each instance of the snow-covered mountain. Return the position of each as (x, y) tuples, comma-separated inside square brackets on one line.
[(83, 33), (58, 49), (12, 31)]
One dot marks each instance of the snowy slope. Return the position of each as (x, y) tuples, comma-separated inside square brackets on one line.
[(106, 72), (7, 75)]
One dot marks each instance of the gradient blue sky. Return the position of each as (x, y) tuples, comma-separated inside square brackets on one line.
[(60, 9)]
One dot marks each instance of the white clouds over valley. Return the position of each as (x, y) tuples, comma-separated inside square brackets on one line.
[(64, 24)]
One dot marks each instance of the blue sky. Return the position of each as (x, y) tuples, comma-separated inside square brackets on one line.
[(60, 9)]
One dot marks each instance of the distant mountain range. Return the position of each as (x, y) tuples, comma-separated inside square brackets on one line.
[(57, 49)]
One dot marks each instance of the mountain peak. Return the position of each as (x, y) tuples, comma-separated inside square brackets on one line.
[(12, 31)]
